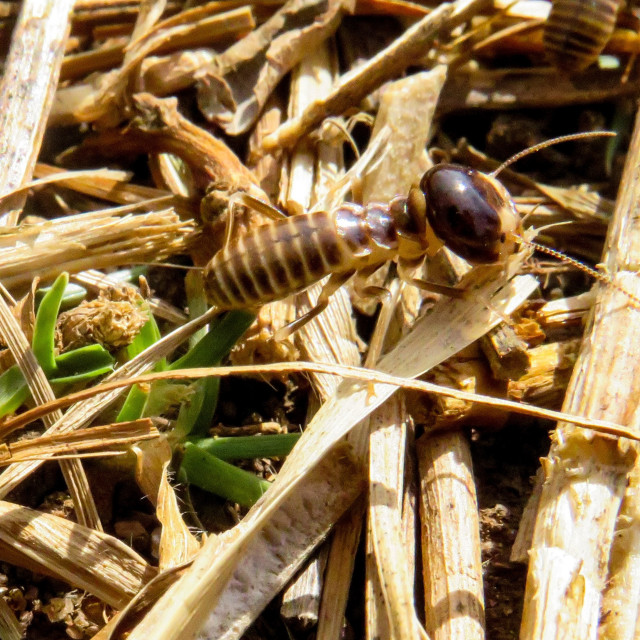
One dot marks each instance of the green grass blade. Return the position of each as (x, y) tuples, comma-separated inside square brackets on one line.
[(243, 447), (81, 376), (195, 415), (134, 405), (217, 343), (73, 367), (148, 335), (219, 477), (73, 295), (209, 388), (82, 364), (136, 400), (223, 333), (13, 390), (83, 360), (43, 343)]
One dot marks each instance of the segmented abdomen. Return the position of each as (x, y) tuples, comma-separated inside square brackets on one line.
[(577, 31), (276, 260)]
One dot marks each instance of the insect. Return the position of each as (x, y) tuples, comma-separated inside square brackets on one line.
[(577, 31), (469, 211)]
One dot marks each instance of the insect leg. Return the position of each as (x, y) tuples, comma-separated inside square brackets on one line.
[(363, 290), (265, 208), (331, 286), (242, 199), (405, 268)]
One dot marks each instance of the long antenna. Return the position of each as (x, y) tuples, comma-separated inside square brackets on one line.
[(594, 273), (549, 143)]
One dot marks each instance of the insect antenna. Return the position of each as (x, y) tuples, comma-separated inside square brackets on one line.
[(594, 273), (549, 143)]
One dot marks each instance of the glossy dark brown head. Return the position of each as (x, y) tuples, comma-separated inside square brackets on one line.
[(471, 213)]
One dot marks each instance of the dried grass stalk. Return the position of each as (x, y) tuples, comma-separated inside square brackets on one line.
[(98, 437), (358, 375), (301, 599), (586, 474), (9, 625), (28, 85), (391, 606), (85, 558), (107, 188), (331, 337), (524, 537), (452, 567), (620, 619), (92, 240), (203, 31)]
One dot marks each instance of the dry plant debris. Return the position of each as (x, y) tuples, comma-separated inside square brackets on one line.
[(221, 477)]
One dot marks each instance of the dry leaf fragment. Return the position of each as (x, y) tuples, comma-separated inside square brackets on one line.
[(177, 544), (235, 87)]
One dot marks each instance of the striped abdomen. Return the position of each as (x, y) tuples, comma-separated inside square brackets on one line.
[(577, 31), (287, 256)]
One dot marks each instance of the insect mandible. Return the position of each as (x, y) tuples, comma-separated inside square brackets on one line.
[(469, 211)]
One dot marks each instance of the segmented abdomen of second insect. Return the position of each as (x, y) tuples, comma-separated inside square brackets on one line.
[(577, 31), (276, 260)]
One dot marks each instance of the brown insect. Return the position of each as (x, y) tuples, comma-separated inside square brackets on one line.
[(468, 211), (577, 31)]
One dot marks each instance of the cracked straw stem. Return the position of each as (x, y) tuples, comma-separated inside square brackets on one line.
[(452, 567), (331, 337), (586, 474), (390, 599), (29, 82)]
